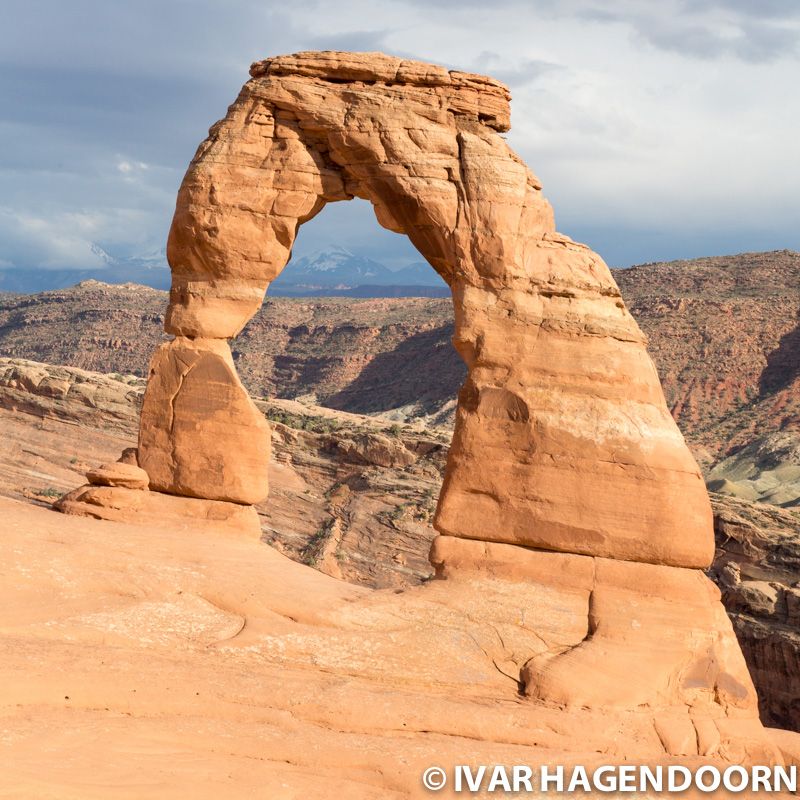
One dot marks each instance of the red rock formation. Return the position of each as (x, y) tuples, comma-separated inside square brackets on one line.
[(563, 439), (200, 434)]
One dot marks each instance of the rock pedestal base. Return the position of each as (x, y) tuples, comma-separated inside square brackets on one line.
[(118, 492), (650, 637)]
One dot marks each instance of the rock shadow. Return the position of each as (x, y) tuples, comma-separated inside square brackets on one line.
[(424, 370), (783, 363)]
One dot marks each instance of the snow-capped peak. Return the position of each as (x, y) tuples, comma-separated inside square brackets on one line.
[(325, 259)]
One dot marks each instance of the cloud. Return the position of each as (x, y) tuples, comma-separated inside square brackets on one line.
[(57, 241), (359, 41), (672, 123), (777, 9), (707, 29), (751, 40), (512, 72)]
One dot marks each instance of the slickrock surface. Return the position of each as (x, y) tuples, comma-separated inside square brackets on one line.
[(166, 511), (135, 664), (370, 524), (561, 422)]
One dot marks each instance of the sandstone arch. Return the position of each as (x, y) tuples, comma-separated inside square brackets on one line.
[(569, 492), (563, 440)]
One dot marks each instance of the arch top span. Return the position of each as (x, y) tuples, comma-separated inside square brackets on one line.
[(421, 143), (463, 92), (563, 440)]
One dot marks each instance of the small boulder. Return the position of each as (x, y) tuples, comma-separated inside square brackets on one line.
[(119, 474), (129, 456)]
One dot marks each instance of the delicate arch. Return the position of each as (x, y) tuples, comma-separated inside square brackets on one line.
[(563, 440)]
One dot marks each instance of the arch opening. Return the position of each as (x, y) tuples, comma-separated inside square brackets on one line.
[(344, 252), (561, 420)]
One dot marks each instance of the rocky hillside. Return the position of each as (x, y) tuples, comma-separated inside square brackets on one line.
[(725, 336), (370, 355), (757, 566), (724, 332)]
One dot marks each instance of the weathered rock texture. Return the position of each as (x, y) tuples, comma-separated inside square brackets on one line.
[(201, 435), (563, 440), (334, 505), (69, 394), (757, 567)]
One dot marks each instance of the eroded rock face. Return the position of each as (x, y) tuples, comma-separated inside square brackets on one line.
[(667, 621), (169, 512), (563, 440), (757, 568), (201, 435)]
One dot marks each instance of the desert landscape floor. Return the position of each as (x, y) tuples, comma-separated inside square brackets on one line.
[(148, 662), (137, 663)]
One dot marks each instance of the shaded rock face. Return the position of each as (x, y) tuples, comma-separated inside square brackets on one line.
[(757, 567), (563, 439)]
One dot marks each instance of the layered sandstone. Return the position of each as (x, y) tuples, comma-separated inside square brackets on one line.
[(69, 394), (563, 439), (334, 505), (200, 433), (757, 567), (565, 462)]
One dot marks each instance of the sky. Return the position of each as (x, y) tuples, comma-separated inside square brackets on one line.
[(660, 130)]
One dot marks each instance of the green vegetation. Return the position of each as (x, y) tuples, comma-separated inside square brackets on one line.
[(311, 423), (47, 491), (393, 516), (427, 508), (310, 553)]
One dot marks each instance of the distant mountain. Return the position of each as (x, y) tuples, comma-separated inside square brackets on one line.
[(333, 268), (335, 271), (330, 272), (149, 269)]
